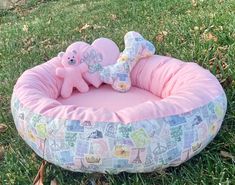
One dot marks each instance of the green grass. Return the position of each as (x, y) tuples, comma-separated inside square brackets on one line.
[(203, 33)]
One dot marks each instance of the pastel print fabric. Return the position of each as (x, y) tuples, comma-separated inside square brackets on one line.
[(141, 146)]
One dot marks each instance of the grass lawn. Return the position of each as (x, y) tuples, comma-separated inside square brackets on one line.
[(199, 30)]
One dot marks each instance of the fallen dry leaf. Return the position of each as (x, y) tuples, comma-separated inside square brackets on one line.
[(38, 183), (168, 54), (188, 11), (98, 26), (113, 17), (221, 51), (219, 76), (194, 3), (212, 15), (38, 180), (219, 61), (196, 28), (54, 182), (221, 28), (218, 65), (25, 28), (86, 26), (227, 155), (49, 20), (164, 33), (2, 151), (161, 36), (102, 183), (3, 128), (226, 82), (209, 36), (33, 157)]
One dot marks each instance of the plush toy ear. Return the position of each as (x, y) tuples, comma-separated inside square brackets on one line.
[(74, 52), (61, 54)]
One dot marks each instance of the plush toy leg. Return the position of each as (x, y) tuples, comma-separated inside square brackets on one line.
[(118, 75), (67, 89), (82, 86)]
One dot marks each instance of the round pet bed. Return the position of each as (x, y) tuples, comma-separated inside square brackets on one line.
[(171, 112)]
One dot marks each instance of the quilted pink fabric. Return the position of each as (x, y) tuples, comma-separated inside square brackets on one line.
[(181, 86)]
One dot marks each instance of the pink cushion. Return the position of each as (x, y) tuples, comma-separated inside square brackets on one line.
[(181, 86), (105, 96), (109, 50)]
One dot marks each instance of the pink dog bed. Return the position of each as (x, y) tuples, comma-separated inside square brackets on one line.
[(173, 110)]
